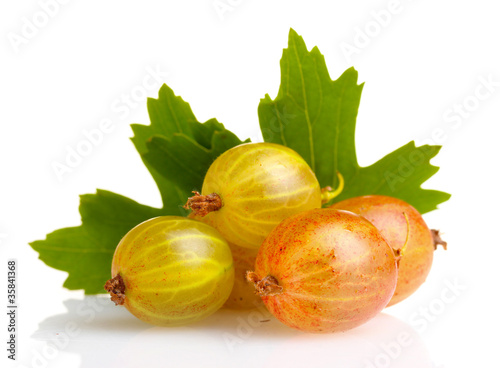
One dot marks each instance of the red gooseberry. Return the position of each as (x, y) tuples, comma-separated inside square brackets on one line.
[(325, 270), (390, 216)]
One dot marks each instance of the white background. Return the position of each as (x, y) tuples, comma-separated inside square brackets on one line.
[(426, 60)]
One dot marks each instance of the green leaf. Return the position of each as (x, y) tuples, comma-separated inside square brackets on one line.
[(311, 114), (86, 251), (316, 117), (182, 156), (182, 149), (399, 174), (168, 114)]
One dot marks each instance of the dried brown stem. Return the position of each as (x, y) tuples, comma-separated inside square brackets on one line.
[(116, 287), (437, 240), (202, 205), (268, 286)]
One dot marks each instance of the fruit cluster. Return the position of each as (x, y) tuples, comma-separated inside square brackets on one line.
[(258, 233)]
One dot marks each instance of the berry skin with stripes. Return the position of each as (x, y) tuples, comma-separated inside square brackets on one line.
[(325, 270), (251, 188), (171, 271), (243, 294), (388, 216)]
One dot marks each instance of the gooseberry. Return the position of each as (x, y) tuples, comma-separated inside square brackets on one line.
[(243, 295), (251, 188), (325, 270), (170, 271), (388, 216)]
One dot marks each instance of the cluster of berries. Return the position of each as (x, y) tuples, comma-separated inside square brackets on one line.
[(262, 230)]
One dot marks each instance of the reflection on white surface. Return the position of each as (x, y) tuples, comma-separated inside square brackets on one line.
[(107, 336)]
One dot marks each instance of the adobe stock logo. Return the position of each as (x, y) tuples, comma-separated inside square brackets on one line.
[(391, 351), (453, 118), (364, 35), (222, 7), (31, 26), (123, 107), (462, 110), (85, 313)]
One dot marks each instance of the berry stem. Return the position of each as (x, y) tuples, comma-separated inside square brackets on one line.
[(437, 240), (116, 287), (268, 286), (202, 205), (327, 193)]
